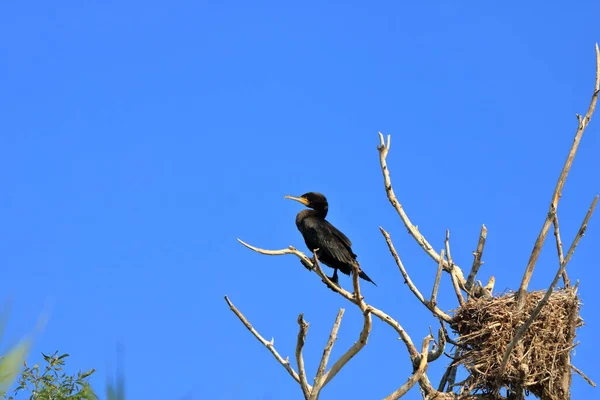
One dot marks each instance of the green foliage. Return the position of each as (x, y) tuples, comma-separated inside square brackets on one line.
[(52, 383)]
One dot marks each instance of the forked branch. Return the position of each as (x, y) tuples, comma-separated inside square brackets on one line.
[(477, 255), (536, 311), (384, 149), (448, 266), (367, 309), (417, 374), (318, 384), (429, 304), (582, 124), (269, 345), (306, 389), (559, 249)]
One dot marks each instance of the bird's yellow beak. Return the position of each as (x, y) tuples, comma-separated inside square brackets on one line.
[(298, 199)]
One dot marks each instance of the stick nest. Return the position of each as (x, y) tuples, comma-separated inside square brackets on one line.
[(540, 363)]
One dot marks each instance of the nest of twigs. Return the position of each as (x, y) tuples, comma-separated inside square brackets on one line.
[(539, 364)]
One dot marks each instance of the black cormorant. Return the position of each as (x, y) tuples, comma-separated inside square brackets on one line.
[(334, 247)]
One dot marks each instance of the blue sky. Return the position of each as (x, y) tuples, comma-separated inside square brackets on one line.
[(138, 140)]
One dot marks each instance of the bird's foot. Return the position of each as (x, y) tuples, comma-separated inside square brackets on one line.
[(334, 280)]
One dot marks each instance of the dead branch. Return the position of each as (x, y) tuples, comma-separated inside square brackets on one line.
[(447, 247), (584, 376), (432, 307), (403, 335), (450, 373), (582, 229), (582, 124), (559, 249), (456, 286), (269, 345), (436, 284), (455, 283), (534, 314), (412, 229), (316, 267), (299, 359), (352, 351), (477, 254), (290, 250), (364, 334), (384, 149), (417, 374), (327, 351), (521, 331)]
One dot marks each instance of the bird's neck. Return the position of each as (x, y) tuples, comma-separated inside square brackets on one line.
[(310, 213), (320, 212)]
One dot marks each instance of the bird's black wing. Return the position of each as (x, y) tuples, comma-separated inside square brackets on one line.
[(329, 240), (339, 234)]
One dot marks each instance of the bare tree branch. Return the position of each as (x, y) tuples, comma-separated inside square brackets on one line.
[(584, 376), (456, 286), (534, 314), (447, 247), (583, 123), (477, 258), (290, 250), (383, 149), (432, 307), (364, 334), (336, 288), (352, 351), (435, 353), (299, 359), (412, 350), (582, 229), (436, 284), (269, 345), (402, 390), (327, 350), (412, 229), (559, 249)]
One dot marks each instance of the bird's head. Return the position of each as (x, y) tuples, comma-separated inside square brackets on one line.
[(312, 200)]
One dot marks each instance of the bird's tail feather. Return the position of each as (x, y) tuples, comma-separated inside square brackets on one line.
[(366, 277)]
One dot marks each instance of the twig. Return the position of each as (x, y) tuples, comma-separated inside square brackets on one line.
[(383, 149), (433, 308), (316, 267), (327, 350), (352, 351), (559, 249), (436, 284), (584, 376), (459, 296), (336, 288), (583, 123), (444, 379), (581, 232), (290, 250), (299, 359), (453, 371), (402, 390), (477, 258), (364, 334), (269, 345), (521, 331), (440, 345), (447, 247)]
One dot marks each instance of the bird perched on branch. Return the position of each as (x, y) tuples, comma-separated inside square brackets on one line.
[(334, 248)]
